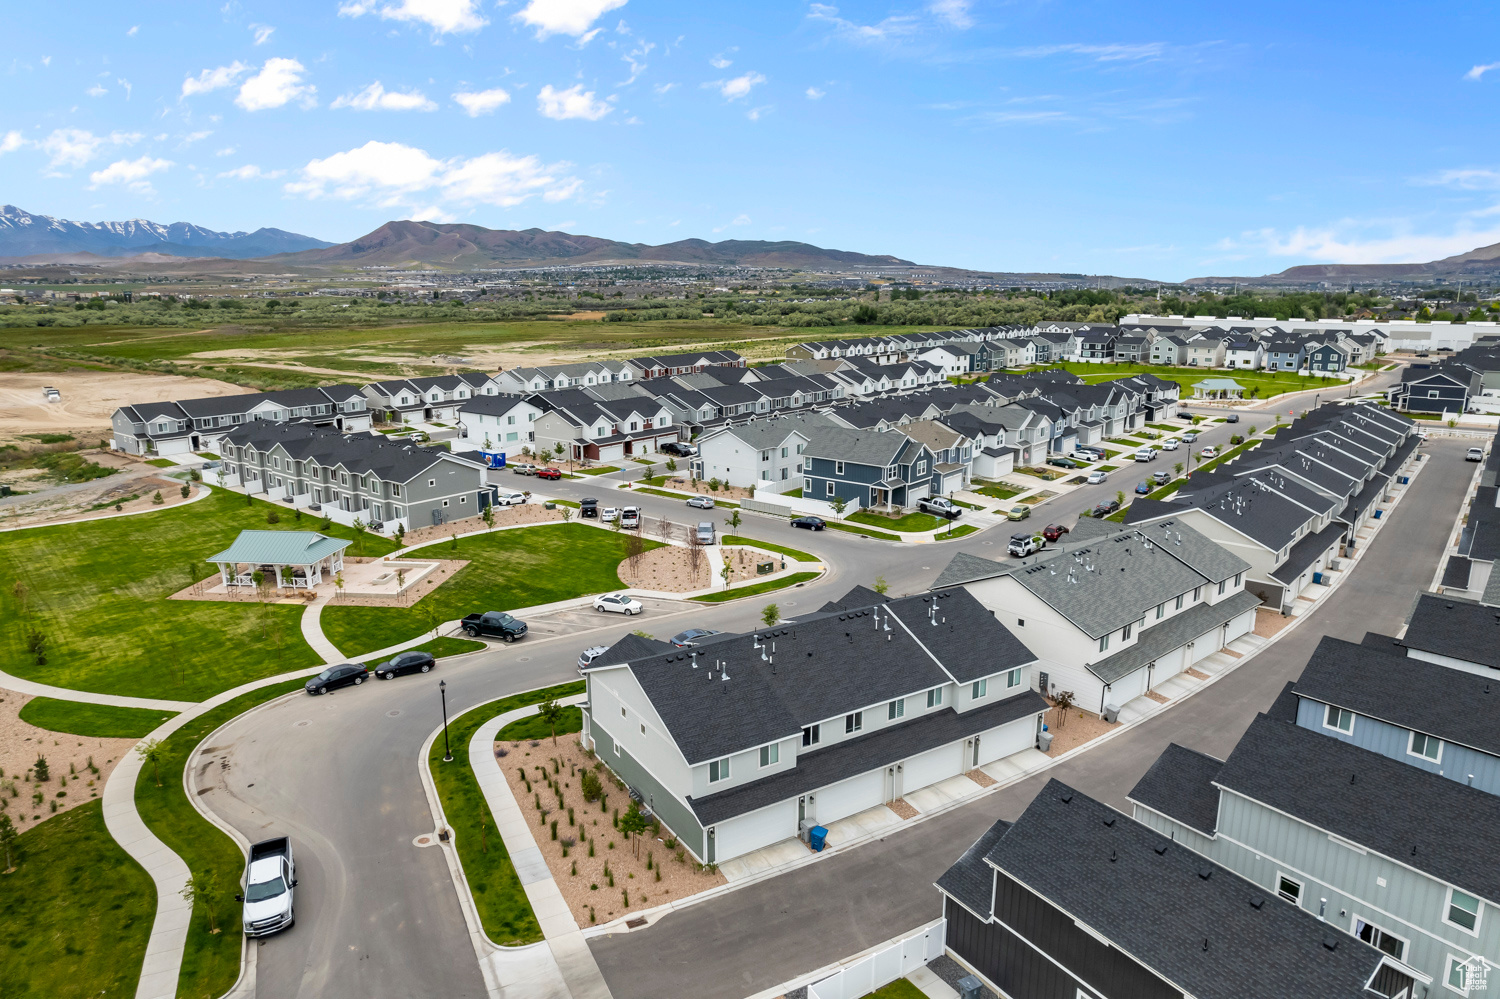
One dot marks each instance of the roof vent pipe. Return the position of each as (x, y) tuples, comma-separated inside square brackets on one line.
[(1322, 909)]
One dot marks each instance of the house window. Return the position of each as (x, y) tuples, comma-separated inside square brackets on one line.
[(896, 709), (921, 466), (935, 697), (1457, 978), (1160, 610), (981, 688), (770, 755), (1179, 602), (1426, 747), (854, 722), (718, 770), (1197, 593), (1020, 622), (1237, 577), (811, 736), (1222, 584), (1289, 889), (431, 482), (830, 488), (445, 502), (617, 749), (838, 468), (1338, 719), (783, 452), (1012, 678), (1125, 632), (765, 456), (1379, 938), (1104, 644), (1463, 910)]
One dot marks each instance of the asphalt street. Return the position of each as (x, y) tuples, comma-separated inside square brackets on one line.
[(378, 916)]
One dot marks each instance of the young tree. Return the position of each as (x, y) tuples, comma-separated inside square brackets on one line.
[(36, 645), (1177, 468), (770, 614), (185, 490), (401, 535), (205, 888), (557, 451), (881, 586), (359, 534), (488, 515), (634, 546), (1064, 700), (632, 824), (40, 770), (151, 752), (727, 572), (664, 529), (735, 521), (838, 503), (671, 465), (1120, 496), (550, 712), (157, 500)]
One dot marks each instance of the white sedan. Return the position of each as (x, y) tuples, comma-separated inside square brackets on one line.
[(1096, 477), (618, 603), (609, 515)]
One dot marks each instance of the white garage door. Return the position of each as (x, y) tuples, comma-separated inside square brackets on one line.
[(853, 795), (745, 833)]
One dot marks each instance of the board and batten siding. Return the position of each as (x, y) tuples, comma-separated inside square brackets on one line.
[(609, 691), (674, 813), (1259, 843), (1455, 762)]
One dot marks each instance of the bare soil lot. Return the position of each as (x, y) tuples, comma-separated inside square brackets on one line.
[(89, 398)]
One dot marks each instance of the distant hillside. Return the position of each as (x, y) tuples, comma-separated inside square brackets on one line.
[(23, 234), (1478, 264), (468, 246)]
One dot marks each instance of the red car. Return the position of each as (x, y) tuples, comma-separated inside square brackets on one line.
[(549, 473), (1054, 531)]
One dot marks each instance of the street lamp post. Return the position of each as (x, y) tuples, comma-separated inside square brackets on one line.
[(447, 750)]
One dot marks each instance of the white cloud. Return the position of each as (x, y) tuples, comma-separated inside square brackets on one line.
[(226, 151), (126, 84), (1347, 243), (442, 16), (390, 174), (755, 114), (478, 102), (565, 17), (1464, 180), (814, 94), (132, 32), (740, 86), (252, 172), (662, 88), (97, 90), (213, 79), (575, 102), (11, 141), (376, 98), (740, 219), (895, 26), (953, 12), (719, 62), (192, 137), (73, 147), (1478, 71), (131, 173), (263, 33), (279, 82), (1135, 52)]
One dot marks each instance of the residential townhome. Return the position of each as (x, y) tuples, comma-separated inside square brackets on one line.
[(952, 454), (1115, 612), (1096, 344), (1061, 419), (1327, 356), (1453, 632), (1170, 349), (662, 365), (584, 374), (427, 400), (1048, 348), (1156, 397), (1388, 852), (754, 739), (766, 452), (349, 477), (1204, 350), (1285, 355), (951, 359), (1132, 348), (992, 457), (593, 427), (865, 469), (1077, 901), (1244, 351), (189, 425), (1027, 431), (1435, 388), (498, 422)]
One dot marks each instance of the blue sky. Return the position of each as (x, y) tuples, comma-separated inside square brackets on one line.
[(1162, 140)]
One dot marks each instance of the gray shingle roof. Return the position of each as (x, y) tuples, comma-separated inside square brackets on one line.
[(1171, 634), (970, 881), (1180, 786), (1433, 824), (1158, 902), (1452, 626), (1310, 549), (861, 447)]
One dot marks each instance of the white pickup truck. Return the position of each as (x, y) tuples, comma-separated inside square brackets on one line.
[(270, 876), (940, 505)]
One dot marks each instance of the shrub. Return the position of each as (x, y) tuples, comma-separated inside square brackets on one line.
[(157, 500), (272, 517), (590, 785), (40, 769)]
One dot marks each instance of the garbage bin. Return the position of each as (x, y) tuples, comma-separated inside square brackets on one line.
[(1317, 577), (817, 838), (549, 505), (1111, 713), (1044, 741), (969, 987)]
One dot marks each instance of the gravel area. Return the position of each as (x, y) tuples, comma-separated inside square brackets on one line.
[(951, 971), (505, 516), (51, 506), (1269, 622), (901, 808), (1078, 728), (588, 893), (67, 757), (672, 569)]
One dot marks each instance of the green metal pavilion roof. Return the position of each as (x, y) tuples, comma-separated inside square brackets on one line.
[(280, 548), (1216, 384)]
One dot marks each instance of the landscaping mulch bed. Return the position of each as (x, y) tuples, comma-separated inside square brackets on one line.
[(901, 808), (1080, 727), (1158, 697), (20, 743), (981, 778)]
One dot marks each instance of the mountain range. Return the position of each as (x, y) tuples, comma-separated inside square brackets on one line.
[(23, 234), (1481, 264)]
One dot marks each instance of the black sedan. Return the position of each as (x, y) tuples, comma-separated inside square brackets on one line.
[(810, 523), (334, 677), (1105, 509), (406, 662), (684, 639)]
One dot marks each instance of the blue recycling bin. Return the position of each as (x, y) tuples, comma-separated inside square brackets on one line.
[(817, 838)]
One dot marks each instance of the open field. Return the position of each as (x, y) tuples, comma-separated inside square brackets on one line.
[(88, 398), (1264, 383), (98, 593)]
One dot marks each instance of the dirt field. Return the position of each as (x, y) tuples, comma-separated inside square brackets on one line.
[(20, 745), (75, 505), (89, 398)]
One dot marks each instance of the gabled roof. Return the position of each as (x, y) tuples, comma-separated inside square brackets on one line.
[(860, 447), (1454, 627), (1179, 785), (761, 434), (280, 548)]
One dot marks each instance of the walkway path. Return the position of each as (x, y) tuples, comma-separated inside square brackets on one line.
[(21, 686), (312, 631)]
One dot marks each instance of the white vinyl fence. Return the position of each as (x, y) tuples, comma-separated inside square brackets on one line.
[(866, 974)]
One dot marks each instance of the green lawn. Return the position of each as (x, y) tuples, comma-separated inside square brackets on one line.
[(98, 720), (1265, 383), (901, 988), (506, 570), (998, 491), (441, 648), (868, 532), (800, 556), (756, 588), (535, 728), (910, 523), (718, 503), (503, 908), (211, 961), (597, 470), (98, 592), (77, 912), (956, 532)]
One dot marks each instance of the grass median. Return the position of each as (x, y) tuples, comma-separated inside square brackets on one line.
[(102, 721), (757, 588), (800, 556), (499, 898), (868, 532), (911, 523), (441, 648)]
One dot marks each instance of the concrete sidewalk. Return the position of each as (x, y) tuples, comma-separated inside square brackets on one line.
[(33, 689)]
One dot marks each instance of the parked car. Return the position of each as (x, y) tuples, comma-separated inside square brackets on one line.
[(1090, 453), (334, 677), (1161, 478), (705, 533), (686, 639), (1020, 512), (1232, 418), (940, 505), (618, 603), (1064, 463), (1022, 545), (1474, 454), (588, 507), (508, 497), (810, 523), (609, 515), (404, 663), (679, 449), (1209, 452), (1054, 531), (1190, 436), (1096, 477), (1146, 454), (1171, 444), (587, 656), (1105, 509), (630, 517), (496, 624), (701, 502), (549, 473), (270, 876), (523, 468), (1143, 488)]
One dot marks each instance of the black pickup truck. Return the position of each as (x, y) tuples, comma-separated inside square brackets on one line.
[(496, 624)]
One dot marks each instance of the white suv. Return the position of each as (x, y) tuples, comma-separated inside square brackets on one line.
[(1475, 454)]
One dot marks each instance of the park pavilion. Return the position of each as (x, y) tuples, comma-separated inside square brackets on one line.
[(285, 559)]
